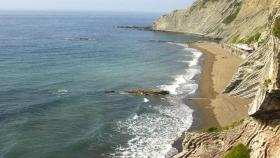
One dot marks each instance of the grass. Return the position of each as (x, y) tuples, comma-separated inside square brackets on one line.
[(206, 1), (221, 129), (232, 16), (276, 28), (239, 151), (253, 39), (235, 39)]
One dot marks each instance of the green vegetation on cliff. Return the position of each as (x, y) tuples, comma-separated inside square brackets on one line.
[(206, 1), (253, 39), (221, 129), (276, 28), (232, 16), (239, 151)]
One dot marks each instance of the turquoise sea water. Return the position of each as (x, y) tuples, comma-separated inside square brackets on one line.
[(55, 67)]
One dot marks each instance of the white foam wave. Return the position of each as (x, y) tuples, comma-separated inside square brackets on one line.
[(178, 44), (154, 132), (146, 100), (58, 91), (135, 117), (178, 86), (183, 83)]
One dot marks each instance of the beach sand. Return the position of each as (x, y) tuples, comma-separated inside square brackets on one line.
[(219, 66)]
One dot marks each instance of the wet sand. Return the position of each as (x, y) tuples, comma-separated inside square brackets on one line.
[(218, 109)]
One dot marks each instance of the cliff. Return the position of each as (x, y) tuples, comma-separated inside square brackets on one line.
[(229, 19), (261, 138), (258, 77)]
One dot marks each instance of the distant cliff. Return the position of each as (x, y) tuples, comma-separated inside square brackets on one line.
[(229, 19)]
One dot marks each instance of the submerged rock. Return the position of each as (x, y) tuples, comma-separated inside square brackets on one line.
[(148, 92)]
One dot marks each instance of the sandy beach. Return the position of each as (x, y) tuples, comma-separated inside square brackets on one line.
[(219, 66)]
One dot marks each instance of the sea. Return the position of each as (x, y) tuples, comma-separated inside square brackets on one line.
[(55, 70)]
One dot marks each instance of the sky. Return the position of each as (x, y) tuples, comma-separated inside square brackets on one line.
[(96, 5)]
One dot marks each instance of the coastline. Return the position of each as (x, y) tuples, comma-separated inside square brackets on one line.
[(215, 108)]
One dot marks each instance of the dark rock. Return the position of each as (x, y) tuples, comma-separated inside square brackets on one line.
[(148, 92), (142, 28), (109, 91)]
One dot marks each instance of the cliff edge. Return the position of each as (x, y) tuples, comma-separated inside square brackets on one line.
[(228, 19)]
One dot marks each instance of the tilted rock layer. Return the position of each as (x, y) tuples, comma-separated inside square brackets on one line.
[(219, 18), (262, 137), (258, 77)]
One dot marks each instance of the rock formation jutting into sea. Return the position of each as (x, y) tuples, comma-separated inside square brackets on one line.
[(258, 77)]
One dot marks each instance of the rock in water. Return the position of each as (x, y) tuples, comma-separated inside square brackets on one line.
[(109, 92), (148, 92)]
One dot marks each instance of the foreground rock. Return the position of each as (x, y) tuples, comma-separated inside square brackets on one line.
[(261, 137), (148, 92)]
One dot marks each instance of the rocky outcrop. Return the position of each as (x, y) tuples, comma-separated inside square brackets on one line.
[(142, 92), (261, 137), (259, 76), (229, 19), (148, 92)]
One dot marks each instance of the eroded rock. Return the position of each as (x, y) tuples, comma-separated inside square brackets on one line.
[(261, 137), (258, 77)]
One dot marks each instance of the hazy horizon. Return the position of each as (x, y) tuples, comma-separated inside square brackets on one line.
[(95, 5)]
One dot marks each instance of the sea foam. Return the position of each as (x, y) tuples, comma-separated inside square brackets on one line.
[(155, 132)]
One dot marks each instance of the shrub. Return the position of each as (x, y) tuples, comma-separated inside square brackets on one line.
[(239, 151), (276, 27)]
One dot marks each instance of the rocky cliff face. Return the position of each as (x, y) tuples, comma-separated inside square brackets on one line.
[(262, 137), (258, 77), (229, 19)]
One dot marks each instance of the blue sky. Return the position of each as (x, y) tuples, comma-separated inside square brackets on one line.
[(108, 5)]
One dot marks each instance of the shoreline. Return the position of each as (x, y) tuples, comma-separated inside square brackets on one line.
[(215, 108)]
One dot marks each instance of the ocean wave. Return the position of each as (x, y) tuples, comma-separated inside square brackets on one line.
[(58, 91), (154, 132), (179, 44)]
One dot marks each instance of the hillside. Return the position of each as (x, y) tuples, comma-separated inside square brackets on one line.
[(230, 19)]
